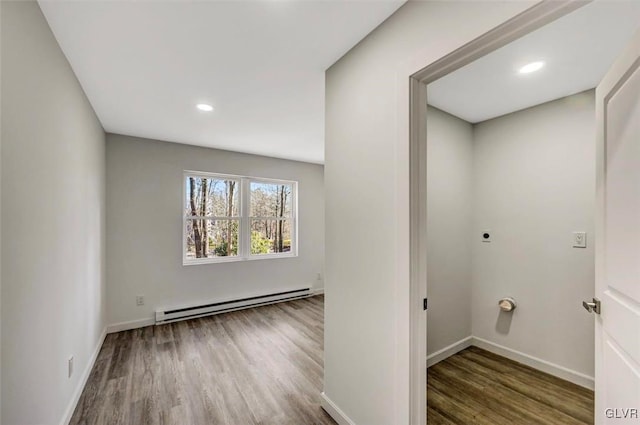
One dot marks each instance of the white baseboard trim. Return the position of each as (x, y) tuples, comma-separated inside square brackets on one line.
[(132, 324), (71, 407), (518, 356), (317, 291), (334, 411), (448, 351), (536, 363)]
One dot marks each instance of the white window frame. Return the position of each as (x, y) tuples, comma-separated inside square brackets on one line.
[(244, 231)]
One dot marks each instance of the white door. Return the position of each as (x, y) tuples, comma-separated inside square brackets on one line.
[(618, 241)]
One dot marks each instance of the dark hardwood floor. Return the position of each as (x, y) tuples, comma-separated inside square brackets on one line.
[(478, 387), (258, 366)]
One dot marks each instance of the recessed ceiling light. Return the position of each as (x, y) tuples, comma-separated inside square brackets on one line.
[(204, 107), (531, 67)]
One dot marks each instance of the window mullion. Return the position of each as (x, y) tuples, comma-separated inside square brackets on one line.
[(294, 218), (245, 227)]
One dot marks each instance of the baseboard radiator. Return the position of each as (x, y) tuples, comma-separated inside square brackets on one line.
[(183, 313)]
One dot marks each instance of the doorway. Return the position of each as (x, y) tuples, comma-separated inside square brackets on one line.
[(509, 204)]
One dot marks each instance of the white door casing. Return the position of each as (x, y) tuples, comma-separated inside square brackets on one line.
[(617, 388)]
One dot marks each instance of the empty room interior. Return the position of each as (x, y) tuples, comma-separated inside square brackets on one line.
[(510, 222), (211, 212)]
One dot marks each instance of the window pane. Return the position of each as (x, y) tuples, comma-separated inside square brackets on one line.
[(212, 197), (212, 238), (271, 199), (270, 236)]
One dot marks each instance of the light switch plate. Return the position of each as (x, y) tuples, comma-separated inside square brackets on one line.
[(579, 239)]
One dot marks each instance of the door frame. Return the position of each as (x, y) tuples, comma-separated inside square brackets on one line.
[(520, 25)]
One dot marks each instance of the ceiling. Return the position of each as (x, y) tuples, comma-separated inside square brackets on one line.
[(577, 50), (145, 65)]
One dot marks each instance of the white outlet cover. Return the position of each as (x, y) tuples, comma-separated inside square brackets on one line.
[(579, 239)]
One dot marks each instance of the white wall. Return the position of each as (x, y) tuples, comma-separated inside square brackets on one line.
[(534, 185), (0, 226), (367, 204), (53, 303), (145, 195), (449, 218)]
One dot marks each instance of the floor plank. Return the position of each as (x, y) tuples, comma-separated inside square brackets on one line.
[(475, 386), (261, 366)]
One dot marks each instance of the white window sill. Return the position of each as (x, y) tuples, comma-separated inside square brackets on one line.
[(236, 259)]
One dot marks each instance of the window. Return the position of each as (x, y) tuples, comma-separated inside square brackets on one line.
[(270, 217), (233, 218)]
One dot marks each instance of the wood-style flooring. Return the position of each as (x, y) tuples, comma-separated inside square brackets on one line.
[(478, 387), (264, 366), (258, 366)]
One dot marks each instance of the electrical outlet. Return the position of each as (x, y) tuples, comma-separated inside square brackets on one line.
[(140, 300), (70, 367), (579, 239)]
